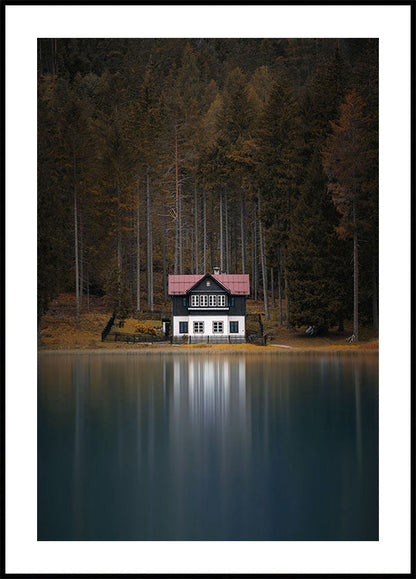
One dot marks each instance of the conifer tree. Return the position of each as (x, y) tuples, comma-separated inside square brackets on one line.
[(348, 160), (216, 125), (277, 165), (315, 263)]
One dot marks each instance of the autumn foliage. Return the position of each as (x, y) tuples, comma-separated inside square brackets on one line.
[(257, 156)]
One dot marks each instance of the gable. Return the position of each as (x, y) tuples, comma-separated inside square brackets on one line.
[(208, 284)]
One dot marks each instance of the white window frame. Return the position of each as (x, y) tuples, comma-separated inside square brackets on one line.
[(219, 324), (194, 301), (203, 300), (198, 327), (212, 301), (221, 301)]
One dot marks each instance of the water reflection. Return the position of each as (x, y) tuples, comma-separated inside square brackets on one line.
[(207, 447), (357, 393), (213, 392)]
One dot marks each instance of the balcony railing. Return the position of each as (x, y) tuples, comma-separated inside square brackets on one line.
[(208, 308)]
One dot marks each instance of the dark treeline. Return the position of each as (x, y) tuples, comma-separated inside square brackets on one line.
[(175, 156)]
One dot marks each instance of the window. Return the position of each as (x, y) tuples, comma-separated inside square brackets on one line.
[(183, 327), (198, 327), (208, 300), (233, 327), (221, 301), (217, 327)]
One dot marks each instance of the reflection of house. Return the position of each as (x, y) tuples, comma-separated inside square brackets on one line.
[(209, 407), (209, 307), (209, 390)]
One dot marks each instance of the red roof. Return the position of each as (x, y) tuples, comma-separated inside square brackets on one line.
[(236, 283)]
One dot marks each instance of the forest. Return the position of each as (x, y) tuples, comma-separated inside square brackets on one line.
[(163, 156)]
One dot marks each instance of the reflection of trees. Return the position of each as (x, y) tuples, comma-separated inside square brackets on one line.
[(358, 430)]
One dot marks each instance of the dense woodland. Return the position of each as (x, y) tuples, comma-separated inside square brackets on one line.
[(176, 156)]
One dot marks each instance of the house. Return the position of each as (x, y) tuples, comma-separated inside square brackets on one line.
[(210, 307)]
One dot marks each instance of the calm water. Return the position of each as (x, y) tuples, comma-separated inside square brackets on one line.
[(207, 447)]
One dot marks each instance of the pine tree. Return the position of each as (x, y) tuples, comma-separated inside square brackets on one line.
[(349, 159), (216, 125), (277, 164), (315, 263)]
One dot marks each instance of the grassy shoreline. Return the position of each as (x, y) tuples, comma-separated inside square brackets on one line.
[(60, 332), (217, 348)]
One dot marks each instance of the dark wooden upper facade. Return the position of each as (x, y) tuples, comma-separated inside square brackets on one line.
[(208, 297)]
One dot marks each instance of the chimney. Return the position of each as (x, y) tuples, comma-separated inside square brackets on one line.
[(216, 271)]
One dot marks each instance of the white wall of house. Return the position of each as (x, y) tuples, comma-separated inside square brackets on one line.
[(209, 323), (176, 320), (241, 325)]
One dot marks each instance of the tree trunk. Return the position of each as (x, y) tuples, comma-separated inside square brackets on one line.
[(76, 237), (272, 286), (279, 285), (204, 242), (355, 322), (196, 231), (255, 257), (76, 258), (234, 245), (192, 235), (263, 269), (88, 290), (243, 233), (138, 249), (165, 280), (221, 238), (180, 234), (119, 254), (375, 297), (176, 266), (252, 270), (132, 257), (53, 53), (39, 324), (211, 250), (81, 256), (287, 299), (227, 244), (176, 200), (149, 245)]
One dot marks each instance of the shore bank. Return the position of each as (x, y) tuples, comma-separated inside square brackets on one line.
[(134, 349), (60, 332)]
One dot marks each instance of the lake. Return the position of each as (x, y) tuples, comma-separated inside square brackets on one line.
[(207, 446)]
